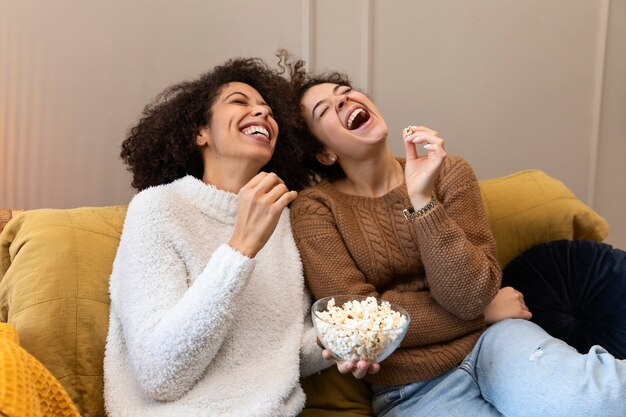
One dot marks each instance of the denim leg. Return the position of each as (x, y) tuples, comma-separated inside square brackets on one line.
[(524, 371), (452, 394)]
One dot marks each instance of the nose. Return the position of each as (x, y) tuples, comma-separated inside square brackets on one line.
[(260, 111), (340, 101)]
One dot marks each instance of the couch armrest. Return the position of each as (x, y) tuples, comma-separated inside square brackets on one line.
[(6, 215)]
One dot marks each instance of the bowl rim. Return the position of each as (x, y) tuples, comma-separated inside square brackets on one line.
[(405, 313)]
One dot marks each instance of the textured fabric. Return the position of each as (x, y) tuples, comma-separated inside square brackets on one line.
[(530, 207), (517, 370), (331, 394), (55, 267), (56, 263), (27, 388), (442, 268), (54, 290), (576, 290), (196, 328)]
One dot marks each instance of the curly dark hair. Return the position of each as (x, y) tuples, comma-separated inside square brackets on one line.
[(162, 146), (309, 146)]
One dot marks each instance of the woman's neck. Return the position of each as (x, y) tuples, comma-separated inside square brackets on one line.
[(229, 176), (371, 177)]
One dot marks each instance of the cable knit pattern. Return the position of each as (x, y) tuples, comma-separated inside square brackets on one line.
[(441, 268), (196, 328)]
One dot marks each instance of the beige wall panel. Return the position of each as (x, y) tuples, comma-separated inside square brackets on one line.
[(509, 84), (610, 196), (76, 74), (337, 36)]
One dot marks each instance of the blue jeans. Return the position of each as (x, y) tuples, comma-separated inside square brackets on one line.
[(515, 369)]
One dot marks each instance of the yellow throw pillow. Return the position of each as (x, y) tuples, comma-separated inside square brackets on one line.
[(55, 267), (27, 389), (530, 207)]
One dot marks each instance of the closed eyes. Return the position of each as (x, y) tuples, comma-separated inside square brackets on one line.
[(339, 93)]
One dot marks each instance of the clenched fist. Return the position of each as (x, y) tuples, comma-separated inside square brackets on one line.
[(261, 201)]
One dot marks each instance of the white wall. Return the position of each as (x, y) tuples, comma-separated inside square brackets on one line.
[(509, 84)]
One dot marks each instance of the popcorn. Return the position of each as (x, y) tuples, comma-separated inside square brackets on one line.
[(354, 330)]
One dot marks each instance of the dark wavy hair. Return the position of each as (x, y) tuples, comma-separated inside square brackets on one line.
[(301, 81), (162, 146)]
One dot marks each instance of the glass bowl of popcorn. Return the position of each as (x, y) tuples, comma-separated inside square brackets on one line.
[(355, 327)]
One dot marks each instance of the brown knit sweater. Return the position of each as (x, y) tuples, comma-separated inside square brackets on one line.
[(442, 268)]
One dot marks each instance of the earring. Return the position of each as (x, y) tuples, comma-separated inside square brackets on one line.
[(333, 159)]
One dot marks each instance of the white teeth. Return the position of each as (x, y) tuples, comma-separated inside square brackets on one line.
[(256, 130), (353, 116)]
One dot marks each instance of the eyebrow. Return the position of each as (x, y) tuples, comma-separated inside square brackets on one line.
[(319, 103), (263, 103), (236, 92)]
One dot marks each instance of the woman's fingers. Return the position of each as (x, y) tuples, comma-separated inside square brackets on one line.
[(421, 129), (269, 187), (261, 202), (409, 150), (415, 135), (278, 196), (368, 367), (359, 369), (254, 181), (285, 199), (277, 191), (268, 182), (526, 314), (431, 142)]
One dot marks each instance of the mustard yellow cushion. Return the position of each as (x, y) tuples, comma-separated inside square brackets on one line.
[(331, 394), (55, 267), (530, 207), (27, 388)]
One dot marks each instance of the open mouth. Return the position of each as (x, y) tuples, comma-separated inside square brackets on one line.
[(256, 130), (357, 118)]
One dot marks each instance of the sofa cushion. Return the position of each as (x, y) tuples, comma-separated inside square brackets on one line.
[(55, 266), (530, 207), (576, 292), (331, 394)]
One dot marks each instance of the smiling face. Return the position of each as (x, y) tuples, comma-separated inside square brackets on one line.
[(344, 120), (241, 128)]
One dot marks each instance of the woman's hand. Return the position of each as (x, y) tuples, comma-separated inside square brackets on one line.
[(507, 304), (261, 201), (421, 172), (358, 369)]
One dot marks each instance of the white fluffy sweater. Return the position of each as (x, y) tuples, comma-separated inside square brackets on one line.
[(197, 328)]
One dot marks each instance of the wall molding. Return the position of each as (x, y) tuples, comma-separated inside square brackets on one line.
[(307, 39), (365, 63), (596, 103)]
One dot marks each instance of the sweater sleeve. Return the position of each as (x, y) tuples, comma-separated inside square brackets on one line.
[(172, 330), (456, 244), (311, 359), (329, 269)]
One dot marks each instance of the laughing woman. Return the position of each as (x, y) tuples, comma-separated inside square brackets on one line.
[(196, 326), (413, 231)]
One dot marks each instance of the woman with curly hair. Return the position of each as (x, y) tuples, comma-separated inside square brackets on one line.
[(413, 231), (196, 324)]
